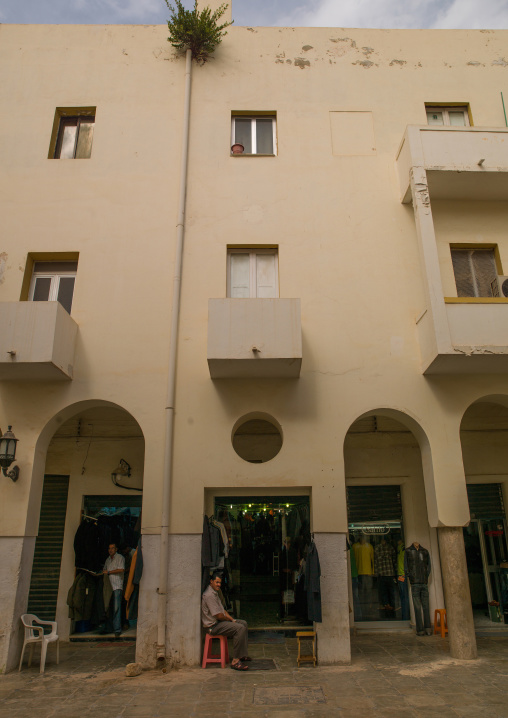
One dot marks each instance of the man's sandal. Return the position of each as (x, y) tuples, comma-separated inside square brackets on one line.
[(246, 658), (239, 667)]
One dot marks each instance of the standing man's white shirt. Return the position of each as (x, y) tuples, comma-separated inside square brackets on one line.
[(112, 564)]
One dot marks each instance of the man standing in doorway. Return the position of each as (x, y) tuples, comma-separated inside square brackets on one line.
[(114, 568), (218, 622)]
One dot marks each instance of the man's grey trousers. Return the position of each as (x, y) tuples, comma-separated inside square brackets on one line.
[(236, 630)]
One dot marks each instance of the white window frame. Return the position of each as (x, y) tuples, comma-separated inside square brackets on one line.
[(445, 110), (253, 253), (54, 276), (253, 119)]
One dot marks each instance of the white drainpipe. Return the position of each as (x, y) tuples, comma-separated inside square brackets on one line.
[(173, 346)]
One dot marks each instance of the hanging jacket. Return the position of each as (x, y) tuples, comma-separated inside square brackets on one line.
[(80, 597), (313, 584), (417, 564)]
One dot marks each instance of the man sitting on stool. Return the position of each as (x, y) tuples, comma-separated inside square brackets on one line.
[(218, 622)]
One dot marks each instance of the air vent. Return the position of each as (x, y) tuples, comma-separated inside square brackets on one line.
[(499, 287)]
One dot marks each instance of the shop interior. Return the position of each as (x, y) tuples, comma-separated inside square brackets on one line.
[(376, 553), (264, 560), (376, 549), (487, 565), (104, 520)]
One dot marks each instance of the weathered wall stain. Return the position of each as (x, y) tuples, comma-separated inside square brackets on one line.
[(398, 62), (475, 63), (306, 48), (502, 62), (3, 266), (344, 39), (301, 63), (363, 63)]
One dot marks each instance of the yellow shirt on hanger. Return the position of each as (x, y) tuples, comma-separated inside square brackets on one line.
[(364, 556)]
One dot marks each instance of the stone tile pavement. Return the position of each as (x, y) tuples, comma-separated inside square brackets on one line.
[(390, 675)]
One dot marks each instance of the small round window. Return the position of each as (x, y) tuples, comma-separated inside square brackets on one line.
[(257, 439)]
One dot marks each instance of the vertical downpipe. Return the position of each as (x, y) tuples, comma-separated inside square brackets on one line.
[(171, 389), (504, 110)]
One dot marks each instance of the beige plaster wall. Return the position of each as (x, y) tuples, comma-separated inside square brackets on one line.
[(347, 246)]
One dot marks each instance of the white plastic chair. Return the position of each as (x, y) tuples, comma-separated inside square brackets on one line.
[(35, 634)]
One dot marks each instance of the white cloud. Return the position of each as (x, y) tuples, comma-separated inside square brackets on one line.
[(397, 14), (134, 10), (474, 14)]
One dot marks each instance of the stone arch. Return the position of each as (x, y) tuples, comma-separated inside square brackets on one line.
[(41, 448), (407, 419)]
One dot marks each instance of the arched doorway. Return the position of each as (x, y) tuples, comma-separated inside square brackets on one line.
[(387, 511), (84, 483), (483, 433)]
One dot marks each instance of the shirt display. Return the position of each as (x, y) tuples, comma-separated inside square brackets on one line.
[(384, 559), (364, 555)]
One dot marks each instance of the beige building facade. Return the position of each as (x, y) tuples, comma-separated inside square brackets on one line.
[(343, 320)]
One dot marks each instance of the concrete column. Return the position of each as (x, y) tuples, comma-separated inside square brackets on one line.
[(459, 611), (15, 574), (334, 644), (146, 634), (183, 635)]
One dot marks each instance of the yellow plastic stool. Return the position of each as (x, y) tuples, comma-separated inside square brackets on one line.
[(440, 622), (307, 658)]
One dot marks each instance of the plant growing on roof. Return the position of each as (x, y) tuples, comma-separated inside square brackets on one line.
[(195, 30)]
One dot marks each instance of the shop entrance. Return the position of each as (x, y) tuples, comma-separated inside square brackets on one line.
[(376, 540), (105, 519), (487, 553), (268, 539)]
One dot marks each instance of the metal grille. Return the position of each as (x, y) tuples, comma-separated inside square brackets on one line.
[(485, 501), (48, 548), (373, 503), (474, 271)]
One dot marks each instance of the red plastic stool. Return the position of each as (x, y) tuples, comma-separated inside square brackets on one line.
[(208, 657), (440, 622)]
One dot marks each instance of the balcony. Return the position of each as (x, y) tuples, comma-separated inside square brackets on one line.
[(37, 341), (254, 338), (456, 335), (460, 162)]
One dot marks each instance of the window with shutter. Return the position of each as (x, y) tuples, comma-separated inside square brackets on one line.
[(252, 273), (53, 282), (474, 270), (452, 116), (72, 134), (256, 134)]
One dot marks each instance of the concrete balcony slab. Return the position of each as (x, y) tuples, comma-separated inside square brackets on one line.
[(37, 341), (254, 338)]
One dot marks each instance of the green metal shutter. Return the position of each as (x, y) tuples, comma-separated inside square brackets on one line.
[(485, 501), (373, 503), (48, 548)]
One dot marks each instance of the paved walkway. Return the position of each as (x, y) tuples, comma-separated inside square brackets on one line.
[(391, 675)]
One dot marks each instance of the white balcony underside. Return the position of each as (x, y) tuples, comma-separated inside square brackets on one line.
[(37, 341), (254, 338)]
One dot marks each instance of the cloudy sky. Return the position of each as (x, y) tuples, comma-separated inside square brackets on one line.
[(491, 14)]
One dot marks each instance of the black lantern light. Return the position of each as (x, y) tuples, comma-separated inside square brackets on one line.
[(8, 453)]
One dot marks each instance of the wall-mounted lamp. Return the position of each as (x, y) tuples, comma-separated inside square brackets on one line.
[(8, 453), (123, 469)]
